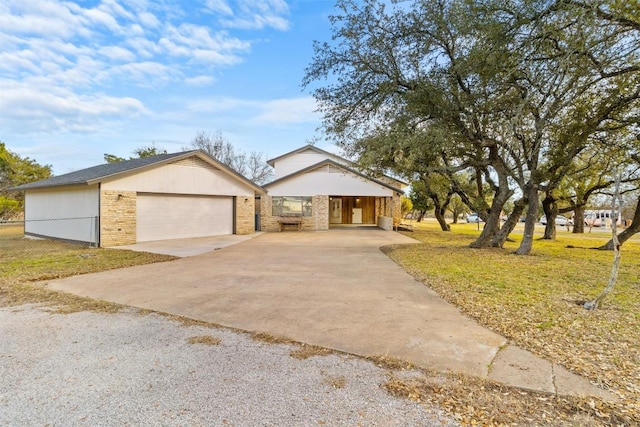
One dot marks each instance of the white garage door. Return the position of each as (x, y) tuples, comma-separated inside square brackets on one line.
[(165, 216)]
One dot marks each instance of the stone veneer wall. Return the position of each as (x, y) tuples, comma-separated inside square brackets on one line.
[(321, 212), (388, 211), (319, 221), (397, 209), (117, 218), (245, 214)]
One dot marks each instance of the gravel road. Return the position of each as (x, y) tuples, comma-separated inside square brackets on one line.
[(92, 369)]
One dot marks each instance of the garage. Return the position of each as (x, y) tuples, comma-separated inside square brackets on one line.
[(170, 216), (168, 196)]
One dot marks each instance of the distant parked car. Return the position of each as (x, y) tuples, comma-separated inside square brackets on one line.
[(473, 218), (560, 220)]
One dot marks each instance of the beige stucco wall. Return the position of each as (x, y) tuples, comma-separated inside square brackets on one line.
[(117, 217)]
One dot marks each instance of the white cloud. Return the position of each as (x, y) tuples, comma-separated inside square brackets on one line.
[(258, 14), (199, 81), (288, 111), (146, 74), (45, 18), (218, 6), (148, 20), (59, 58), (218, 105), (117, 53), (37, 110)]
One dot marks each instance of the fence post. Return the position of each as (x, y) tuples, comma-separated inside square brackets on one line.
[(96, 225)]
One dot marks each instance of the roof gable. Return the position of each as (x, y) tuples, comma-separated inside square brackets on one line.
[(99, 173), (390, 181), (333, 166), (308, 148)]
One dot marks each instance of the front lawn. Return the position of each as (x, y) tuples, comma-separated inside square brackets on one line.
[(26, 261), (535, 301)]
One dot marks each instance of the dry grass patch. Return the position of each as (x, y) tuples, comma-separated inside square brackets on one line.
[(305, 351), (391, 363), (204, 339), (476, 402), (335, 381), (27, 261), (534, 300), (271, 339)]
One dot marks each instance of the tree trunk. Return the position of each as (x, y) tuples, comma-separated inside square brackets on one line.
[(502, 235), (613, 277), (550, 208), (492, 225), (530, 224), (550, 228), (441, 210), (456, 213), (626, 234), (439, 214), (578, 219)]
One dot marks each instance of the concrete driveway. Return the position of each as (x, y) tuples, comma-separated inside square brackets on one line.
[(334, 289)]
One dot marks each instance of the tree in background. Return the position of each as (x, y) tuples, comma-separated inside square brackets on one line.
[(16, 170), (252, 165), (138, 153), (406, 206), (420, 201)]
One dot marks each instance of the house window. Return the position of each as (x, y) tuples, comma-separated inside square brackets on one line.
[(291, 206)]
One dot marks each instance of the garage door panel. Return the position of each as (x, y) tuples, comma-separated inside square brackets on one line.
[(161, 217)]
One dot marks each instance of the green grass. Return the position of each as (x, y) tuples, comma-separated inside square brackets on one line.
[(535, 300)]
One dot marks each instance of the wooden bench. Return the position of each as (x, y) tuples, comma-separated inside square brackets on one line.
[(290, 220)]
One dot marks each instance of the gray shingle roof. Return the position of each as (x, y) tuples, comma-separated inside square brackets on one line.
[(84, 176)]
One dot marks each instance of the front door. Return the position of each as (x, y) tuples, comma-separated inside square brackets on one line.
[(336, 211), (356, 216)]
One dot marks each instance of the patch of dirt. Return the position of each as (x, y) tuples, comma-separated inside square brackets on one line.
[(204, 339)]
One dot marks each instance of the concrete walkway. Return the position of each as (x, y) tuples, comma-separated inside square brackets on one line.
[(335, 290)]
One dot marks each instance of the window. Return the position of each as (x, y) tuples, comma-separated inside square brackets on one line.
[(291, 206)]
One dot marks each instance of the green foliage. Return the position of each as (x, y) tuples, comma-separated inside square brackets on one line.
[(510, 92), (406, 205), (112, 158), (9, 207), (139, 153), (16, 170), (419, 198)]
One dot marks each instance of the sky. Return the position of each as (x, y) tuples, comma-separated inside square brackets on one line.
[(82, 78)]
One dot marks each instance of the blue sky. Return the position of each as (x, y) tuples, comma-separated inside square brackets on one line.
[(82, 78)]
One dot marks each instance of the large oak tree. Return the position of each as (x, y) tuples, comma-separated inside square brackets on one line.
[(519, 87)]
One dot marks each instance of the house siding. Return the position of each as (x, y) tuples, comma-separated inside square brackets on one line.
[(68, 214), (298, 161)]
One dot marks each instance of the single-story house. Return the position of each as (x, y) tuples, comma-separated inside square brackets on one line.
[(317, 190), (168, 196)]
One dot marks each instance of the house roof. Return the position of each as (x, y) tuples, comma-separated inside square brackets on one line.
[(338, 165), (99, 173), (272, 162)]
